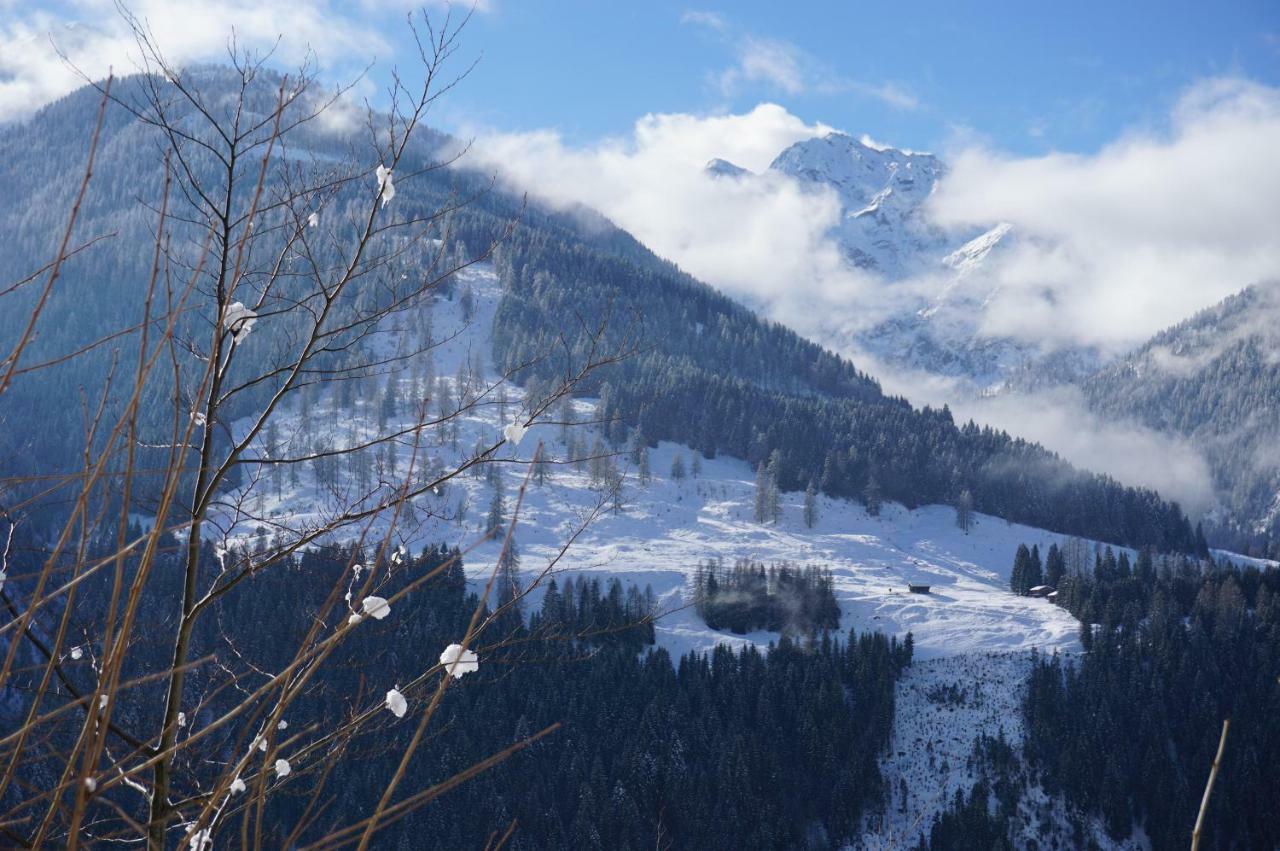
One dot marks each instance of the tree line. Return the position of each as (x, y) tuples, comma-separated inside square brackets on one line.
[(1128, 730)]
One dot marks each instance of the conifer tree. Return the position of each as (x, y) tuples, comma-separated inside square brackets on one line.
[(541, 467), (762, 494), (1035, 570), (773, 500), (811, 505), (872, 497), (1055, 566), (467, 303), (637, 446), (964, 510), (497, 516), (387, 408), (508, 584), (1019, 579), (566, 417)]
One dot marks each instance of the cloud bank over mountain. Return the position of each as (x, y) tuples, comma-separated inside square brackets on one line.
[(1141, 234), (1113, 245), (1109, 247), (765, 240)]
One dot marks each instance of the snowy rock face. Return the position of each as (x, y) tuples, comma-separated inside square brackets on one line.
[(886, 230), (882, 193)]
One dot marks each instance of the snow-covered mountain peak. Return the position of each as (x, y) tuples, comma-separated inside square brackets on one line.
[(860, 172), (881, 190), (723, 168), (947, 277)]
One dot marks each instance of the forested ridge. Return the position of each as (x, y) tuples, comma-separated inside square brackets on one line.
[(1215, 380)]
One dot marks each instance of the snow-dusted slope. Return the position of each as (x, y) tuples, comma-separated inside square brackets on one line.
[(667, 527), (970, 631), (943, 707)]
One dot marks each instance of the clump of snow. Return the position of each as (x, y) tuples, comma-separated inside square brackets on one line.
[(386, 188), (377, 607), (90, 784), (283, 725), (283, 768), (76, 652), (239, 320), (313, 220), (396, 703), (237, 786), (200, 839), (102, 701), (182, 719), (459, 661), (514, 432)]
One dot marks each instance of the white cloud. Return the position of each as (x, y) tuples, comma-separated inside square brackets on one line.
[(1060, 420), (764, 60), (96, 39), (764, 239), (892, 94), (1116, 245), (777, 65), (710, 20)]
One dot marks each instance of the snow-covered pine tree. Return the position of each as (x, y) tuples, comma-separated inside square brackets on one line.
[(871, 495), (1018, 578), (773, 498), (497, 516), (760, 507), (964, 510)]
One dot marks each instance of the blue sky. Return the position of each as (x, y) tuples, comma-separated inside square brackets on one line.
[(1026, 77)]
